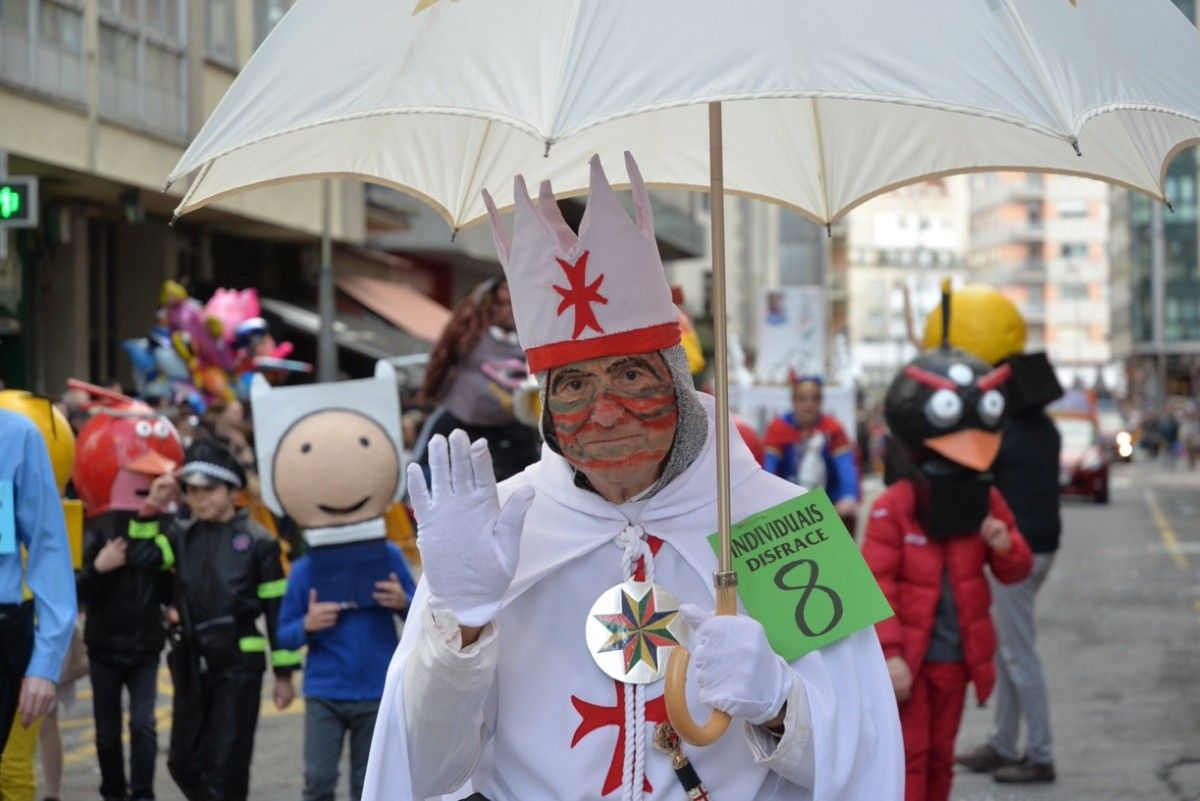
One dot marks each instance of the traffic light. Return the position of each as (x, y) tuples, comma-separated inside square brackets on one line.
[(18, 202)]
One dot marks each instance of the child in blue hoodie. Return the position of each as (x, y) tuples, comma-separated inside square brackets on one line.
[(349, 650)]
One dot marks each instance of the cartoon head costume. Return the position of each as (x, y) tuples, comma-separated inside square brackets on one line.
[(946, 408), (60, 442), (121, 450), (330, 457), (984, 322)]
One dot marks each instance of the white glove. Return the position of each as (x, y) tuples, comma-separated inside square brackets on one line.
[(735, 668), (469, 545)]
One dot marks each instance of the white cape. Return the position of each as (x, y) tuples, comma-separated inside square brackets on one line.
[(545, 671)]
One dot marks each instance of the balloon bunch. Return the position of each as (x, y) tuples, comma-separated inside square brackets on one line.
[(204, 354)]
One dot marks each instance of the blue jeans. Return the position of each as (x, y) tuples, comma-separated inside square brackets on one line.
[(326, 723)]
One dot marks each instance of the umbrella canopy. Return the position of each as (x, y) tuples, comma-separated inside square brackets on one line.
[(826, 102)]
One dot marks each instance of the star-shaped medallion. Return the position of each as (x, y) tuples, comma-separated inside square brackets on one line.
[(581, 295), (639, 630)]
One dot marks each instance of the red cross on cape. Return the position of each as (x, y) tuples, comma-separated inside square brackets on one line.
[(595, 717)]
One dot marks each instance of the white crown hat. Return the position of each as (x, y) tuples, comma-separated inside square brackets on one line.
[(277, 409), (600, 293)]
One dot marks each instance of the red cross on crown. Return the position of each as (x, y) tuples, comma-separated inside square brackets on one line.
[(601, 292)]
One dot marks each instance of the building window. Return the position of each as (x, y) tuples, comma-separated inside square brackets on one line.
[(220, 32), (266, 14), (41, 46), (1073, 290), (143, 67), (1074, 250), (1072, 209)]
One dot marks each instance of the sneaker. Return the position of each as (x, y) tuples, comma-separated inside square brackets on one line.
[(1025, 772), (985, 759)]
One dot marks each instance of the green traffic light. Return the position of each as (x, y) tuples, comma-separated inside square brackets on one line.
[(10, 202)]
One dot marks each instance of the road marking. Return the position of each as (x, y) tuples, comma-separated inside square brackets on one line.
[(162, 720), (1168, 534), (162, 715)]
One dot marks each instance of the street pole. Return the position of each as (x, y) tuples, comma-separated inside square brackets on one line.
[(3, 229), (1158, 292), (326, 347)]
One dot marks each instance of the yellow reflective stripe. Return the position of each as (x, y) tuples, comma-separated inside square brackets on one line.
[(272, 589), (252, 645), (143, 529), (168, 553), (282, 659)]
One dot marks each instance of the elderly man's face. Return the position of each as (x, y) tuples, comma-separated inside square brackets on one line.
[(615, 418)]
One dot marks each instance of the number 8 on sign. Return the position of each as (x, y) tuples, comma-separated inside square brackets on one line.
[(787, 579)]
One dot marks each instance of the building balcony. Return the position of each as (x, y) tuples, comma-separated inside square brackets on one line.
[(1031, 187), (1031, 272)]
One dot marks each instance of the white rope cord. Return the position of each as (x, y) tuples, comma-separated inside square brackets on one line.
[(634, 547), (639, 753), (632, 541), (630, 745)]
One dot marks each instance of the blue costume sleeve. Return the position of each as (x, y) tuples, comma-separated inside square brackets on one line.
[(772, 462), (42, 529), (843, 476), (295, 606)]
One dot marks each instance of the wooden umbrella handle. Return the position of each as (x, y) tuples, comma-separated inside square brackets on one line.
[(676, 687)]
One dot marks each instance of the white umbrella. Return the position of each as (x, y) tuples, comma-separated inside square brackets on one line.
[(822, 104), (445, 98)]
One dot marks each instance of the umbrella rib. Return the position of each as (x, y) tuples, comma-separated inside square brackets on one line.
[(822, 174), (1039, 67), (561, 79), (458, 213), (191, 190)]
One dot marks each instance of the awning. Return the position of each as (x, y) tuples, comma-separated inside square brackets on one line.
[(375, 339), (400, 305)]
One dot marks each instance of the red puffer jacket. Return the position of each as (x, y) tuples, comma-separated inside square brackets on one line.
[(909, 568)]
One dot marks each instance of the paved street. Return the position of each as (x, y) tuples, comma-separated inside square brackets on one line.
[(1118, 624), (1119, 619)]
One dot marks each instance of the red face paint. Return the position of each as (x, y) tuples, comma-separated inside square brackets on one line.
[(615, 418)]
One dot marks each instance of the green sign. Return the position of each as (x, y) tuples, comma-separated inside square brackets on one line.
[(18, 202), (10, 201), (801, 575)]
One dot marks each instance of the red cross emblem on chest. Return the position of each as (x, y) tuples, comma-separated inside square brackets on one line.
[(598, 717)]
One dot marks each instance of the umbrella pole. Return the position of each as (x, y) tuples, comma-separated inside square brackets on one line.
[(725, 579)]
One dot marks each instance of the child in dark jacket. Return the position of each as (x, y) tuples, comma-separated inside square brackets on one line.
[(348, 655), (124, 584), (941, 637)]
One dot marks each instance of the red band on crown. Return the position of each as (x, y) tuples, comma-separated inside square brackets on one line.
[(641, 340)]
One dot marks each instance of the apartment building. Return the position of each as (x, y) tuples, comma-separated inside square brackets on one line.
[(1043, 241), (907, 241)]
